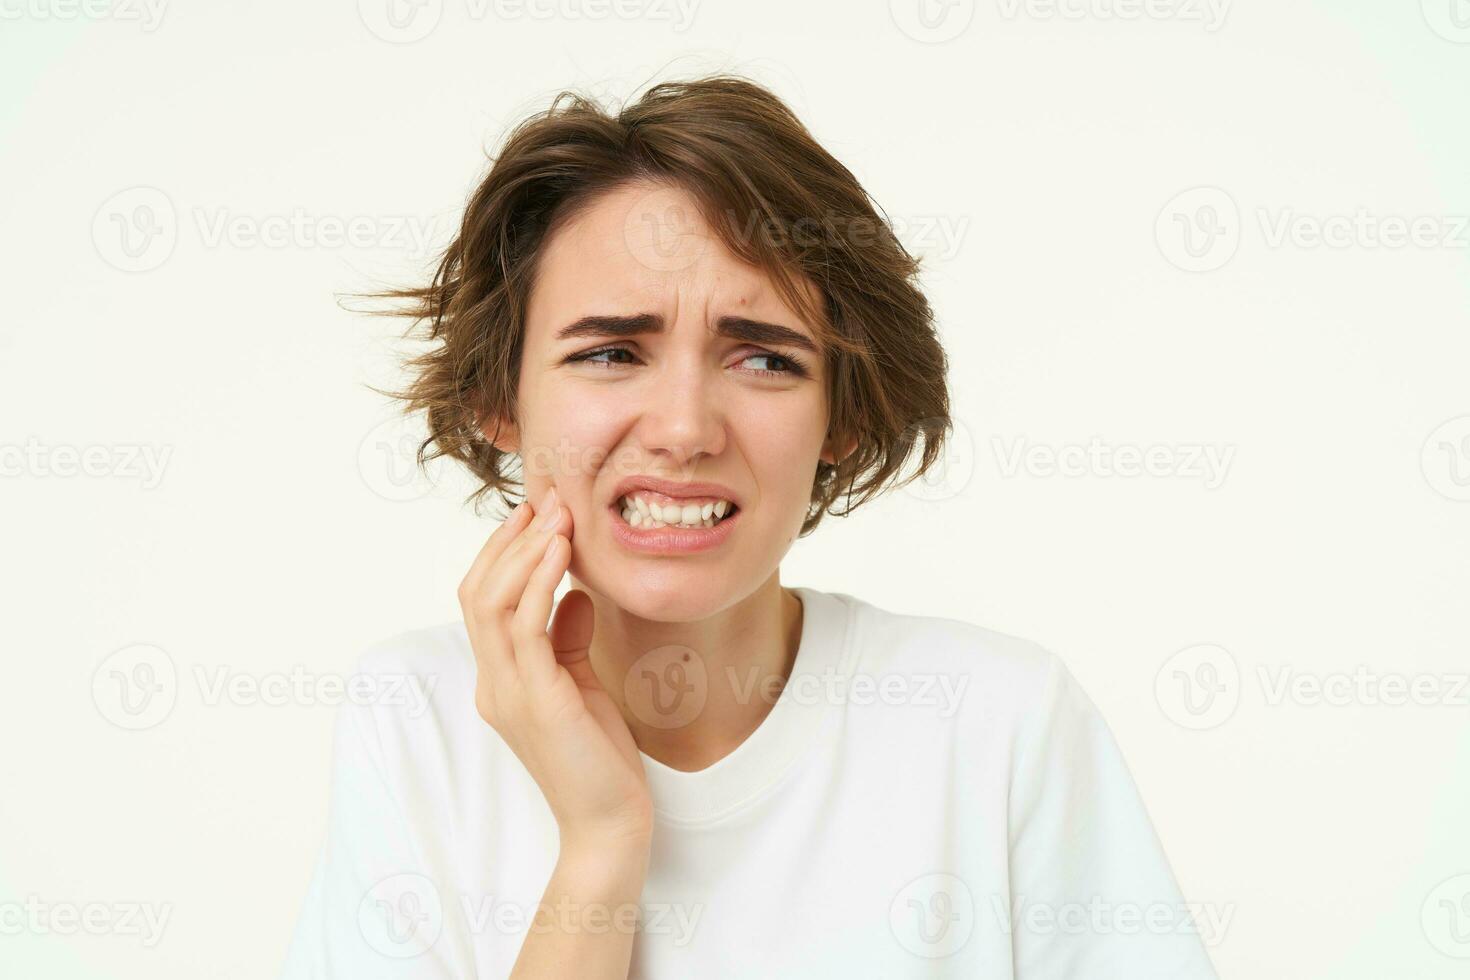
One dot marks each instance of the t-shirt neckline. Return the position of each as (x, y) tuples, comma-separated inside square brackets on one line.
[(768, 753)]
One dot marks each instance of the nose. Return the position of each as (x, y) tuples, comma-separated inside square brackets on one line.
[(682, 418)]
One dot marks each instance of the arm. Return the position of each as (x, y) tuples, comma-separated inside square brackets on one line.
[(537, 689), (589, 913)]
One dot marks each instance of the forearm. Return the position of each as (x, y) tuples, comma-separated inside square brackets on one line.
[(588, 916)]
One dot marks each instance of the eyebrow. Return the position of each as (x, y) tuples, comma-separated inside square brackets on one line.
[(738, 327)]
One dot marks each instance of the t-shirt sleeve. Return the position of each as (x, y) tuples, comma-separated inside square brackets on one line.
[(372, 909), (1092, 894)]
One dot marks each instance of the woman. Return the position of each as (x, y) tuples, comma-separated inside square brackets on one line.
[(685, 332)]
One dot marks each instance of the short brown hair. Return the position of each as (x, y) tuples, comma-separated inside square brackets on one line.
[(777, 200)]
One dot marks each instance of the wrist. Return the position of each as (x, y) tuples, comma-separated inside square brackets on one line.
[(605, 855)]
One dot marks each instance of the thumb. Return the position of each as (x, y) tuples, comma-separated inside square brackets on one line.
[(571, 636)]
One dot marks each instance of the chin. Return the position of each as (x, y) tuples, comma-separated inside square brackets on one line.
[(664, 590)]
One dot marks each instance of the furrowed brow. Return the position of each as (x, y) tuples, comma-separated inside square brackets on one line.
[(737, 327)]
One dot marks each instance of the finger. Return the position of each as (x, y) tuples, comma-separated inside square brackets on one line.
[(487, 644), (506, 582), (494, 547), (535, 660)]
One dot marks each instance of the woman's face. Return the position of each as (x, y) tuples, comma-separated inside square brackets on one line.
[(696, 373)]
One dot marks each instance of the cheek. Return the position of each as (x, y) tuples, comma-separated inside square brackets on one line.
[(781, 440), (567, 435)]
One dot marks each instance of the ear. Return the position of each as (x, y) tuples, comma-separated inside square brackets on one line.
[(834, 451), (502, 434)]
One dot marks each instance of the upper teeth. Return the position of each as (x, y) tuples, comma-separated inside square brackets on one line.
[(639, 511)]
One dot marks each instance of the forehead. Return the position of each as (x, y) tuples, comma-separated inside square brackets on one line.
[(645, 247)]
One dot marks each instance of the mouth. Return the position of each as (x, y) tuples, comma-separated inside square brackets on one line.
[(649, 521)]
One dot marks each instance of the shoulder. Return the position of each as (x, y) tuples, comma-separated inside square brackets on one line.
[(995, 676), (416, 683), (438, 649)]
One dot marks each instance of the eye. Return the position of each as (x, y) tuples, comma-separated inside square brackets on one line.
[(784, 364), (596, 356), (774, 365)]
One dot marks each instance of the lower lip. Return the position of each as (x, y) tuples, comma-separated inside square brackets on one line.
[(671, 540)]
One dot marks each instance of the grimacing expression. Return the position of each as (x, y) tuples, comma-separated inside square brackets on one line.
[(679, 377)]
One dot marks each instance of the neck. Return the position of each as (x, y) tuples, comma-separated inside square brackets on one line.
[(690, 708)]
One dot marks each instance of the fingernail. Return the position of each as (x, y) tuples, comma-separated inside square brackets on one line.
[(549, 509)]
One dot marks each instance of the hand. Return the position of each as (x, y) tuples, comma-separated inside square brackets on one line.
[(536, 687)]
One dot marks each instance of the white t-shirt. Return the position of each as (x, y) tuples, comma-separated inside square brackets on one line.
[(926, 798)]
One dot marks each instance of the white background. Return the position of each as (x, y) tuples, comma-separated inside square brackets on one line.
[(1034, 155)]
